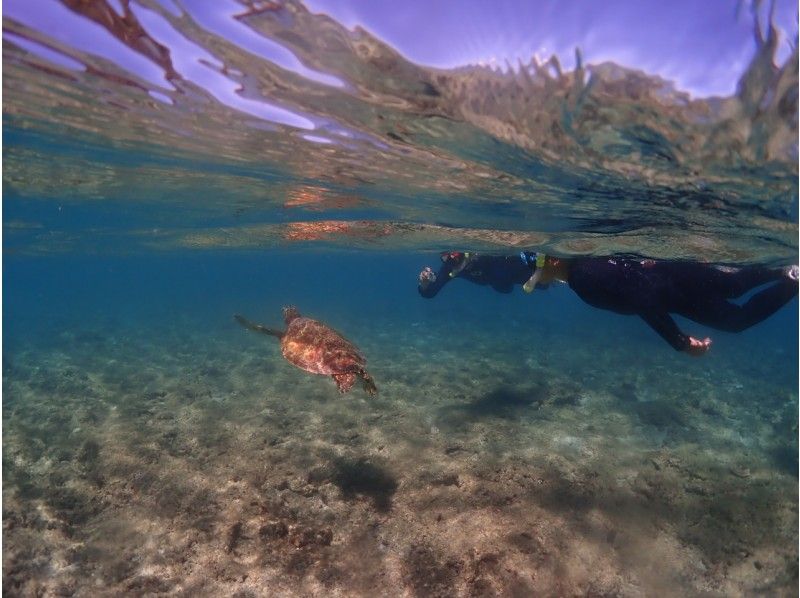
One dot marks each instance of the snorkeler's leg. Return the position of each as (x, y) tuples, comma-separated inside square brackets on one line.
[(724, 315), (734, 282)]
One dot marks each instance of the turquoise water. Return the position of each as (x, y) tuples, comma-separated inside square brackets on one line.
[(519, 444), (142, 425)]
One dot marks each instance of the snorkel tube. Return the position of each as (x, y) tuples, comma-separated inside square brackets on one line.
[(538, 268)]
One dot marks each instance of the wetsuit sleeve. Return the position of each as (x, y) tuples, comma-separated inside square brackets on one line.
[(666, 327), (442, 278)]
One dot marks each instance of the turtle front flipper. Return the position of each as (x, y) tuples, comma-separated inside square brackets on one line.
[(368, 382), (344, 382), (257, 327)]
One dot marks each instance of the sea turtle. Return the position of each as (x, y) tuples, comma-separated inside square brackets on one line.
[(314, 347)]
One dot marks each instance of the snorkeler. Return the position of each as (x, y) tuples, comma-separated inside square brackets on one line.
[(648, 288)]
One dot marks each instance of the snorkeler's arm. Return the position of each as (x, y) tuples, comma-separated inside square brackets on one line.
[(666, 327), (430, 283)]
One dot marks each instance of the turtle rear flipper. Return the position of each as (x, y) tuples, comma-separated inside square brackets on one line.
[(257, 327)]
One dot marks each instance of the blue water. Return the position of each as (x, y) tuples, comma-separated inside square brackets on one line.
[(472, 381), (166, 178), (370, 290)]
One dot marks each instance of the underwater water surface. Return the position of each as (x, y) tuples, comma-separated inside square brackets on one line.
[(167, 165)]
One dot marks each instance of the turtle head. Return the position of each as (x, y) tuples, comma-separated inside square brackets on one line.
[(290, 313)]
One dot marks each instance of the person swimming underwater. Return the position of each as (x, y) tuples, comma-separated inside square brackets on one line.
[(648, 288)]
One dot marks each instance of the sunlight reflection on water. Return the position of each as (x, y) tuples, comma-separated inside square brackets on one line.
[(584, 156)]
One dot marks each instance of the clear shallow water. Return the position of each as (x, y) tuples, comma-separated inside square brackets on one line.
[(520, 444)]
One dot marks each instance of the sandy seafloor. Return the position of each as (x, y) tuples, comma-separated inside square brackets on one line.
[(151, 446)]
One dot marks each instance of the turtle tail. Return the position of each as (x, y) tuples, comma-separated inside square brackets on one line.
[(257, 327)]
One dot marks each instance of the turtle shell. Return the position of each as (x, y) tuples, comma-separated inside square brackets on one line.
[(319, 349)]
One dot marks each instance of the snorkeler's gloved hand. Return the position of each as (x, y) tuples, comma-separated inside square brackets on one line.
[(698, 347), (426, 277)]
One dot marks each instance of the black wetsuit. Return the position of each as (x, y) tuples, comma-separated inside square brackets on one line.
[(700, 292), (649, 289)]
